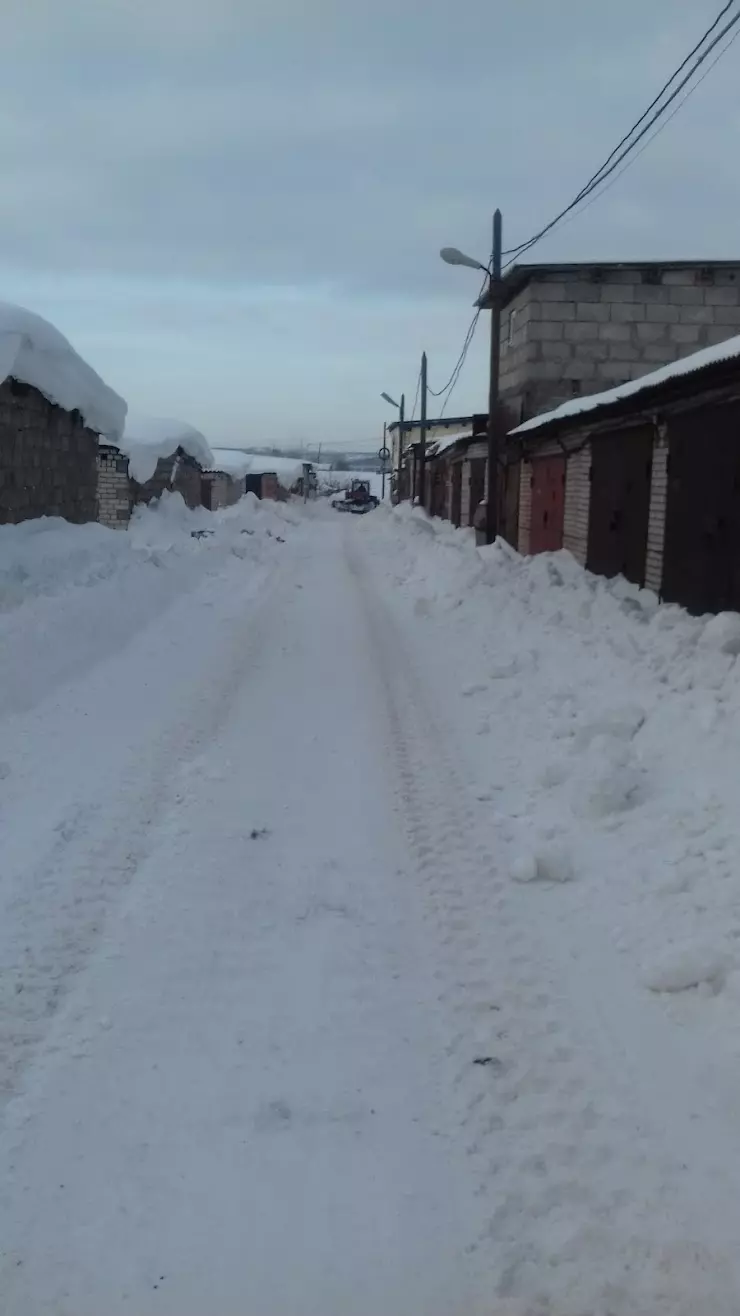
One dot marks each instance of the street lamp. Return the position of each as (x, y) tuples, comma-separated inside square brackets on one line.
[(400, 408), (452, 256)]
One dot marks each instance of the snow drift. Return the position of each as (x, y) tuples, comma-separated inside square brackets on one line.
[(34, 352)]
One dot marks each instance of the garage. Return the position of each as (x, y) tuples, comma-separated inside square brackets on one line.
[(621, 465), (548, 504)]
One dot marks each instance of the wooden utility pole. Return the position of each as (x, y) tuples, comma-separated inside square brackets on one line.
[(495, 290), (421, 492)]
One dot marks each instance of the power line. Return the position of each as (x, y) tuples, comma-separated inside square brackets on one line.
[(633, 158), (611, 164)]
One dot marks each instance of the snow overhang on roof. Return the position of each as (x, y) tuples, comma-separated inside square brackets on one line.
[(146, 439), (34, 352), (598, 403)]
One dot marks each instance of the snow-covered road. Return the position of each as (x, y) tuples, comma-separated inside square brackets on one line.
[(282, 1036)]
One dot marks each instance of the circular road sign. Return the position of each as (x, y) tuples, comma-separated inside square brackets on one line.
[(384, 454)]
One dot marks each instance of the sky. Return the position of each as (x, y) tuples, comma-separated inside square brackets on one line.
[(234, 209)]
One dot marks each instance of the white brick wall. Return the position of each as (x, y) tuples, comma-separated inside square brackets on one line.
[(525, 506), (656, 519), (577, 502), (114, 490)]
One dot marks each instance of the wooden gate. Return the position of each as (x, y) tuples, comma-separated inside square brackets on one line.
[(701, 557), (619, 506), (548, 504), (456, 503)]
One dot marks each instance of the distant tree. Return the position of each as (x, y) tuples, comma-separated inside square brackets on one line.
[(341, 464)]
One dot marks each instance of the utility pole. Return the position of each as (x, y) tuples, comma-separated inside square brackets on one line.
[(494, 292), (421, 494), (399, 469), (385, 436)]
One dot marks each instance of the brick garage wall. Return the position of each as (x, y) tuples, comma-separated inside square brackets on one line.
[(525, 507), (179, 473), (48, 459), (569, 333), (656, 517), (577, 502), (270, 487), (224, 491), (114, 489)]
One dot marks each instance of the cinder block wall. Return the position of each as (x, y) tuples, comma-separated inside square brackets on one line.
[(567, 334), (114, 489), (48, 459)]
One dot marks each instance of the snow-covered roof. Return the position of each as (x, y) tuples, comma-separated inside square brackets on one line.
[(34, 352), (438, 446), (287, 469), (235, 464), (147, 438), (687, 365)]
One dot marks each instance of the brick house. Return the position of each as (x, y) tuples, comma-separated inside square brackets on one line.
[(572, 329), (53, 407), (644, 480)]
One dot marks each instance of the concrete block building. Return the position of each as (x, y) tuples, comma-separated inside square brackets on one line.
[(570, 330)]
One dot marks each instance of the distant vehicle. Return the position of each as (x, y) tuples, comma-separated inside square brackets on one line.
[(357, 498)]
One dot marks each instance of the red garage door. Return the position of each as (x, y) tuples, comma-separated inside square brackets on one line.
[(548, 504)]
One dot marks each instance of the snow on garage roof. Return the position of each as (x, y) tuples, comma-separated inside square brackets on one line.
[(235, 464), (287, 469), (34, 352), (687, 365), (147, 438)]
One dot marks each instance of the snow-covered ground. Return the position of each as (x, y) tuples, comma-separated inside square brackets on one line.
[(430, 1007)]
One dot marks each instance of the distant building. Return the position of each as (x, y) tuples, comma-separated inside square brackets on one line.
[(568, 330)]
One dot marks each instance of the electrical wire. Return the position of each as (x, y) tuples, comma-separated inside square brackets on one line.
[(661, 127), (617, 156)]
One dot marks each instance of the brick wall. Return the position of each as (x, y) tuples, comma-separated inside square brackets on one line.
[(179, 473), (114, 489), (270, 487), (569, 333), (656, 518), (47, 459), (220, 490), (577, 502), (525, 507)]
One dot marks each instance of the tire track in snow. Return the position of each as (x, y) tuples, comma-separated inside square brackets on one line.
[(61, 903), (578, 1194)]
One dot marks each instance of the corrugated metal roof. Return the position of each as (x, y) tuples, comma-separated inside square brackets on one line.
[(597, 402)]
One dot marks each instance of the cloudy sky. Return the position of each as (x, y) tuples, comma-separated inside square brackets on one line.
[(233, 208)]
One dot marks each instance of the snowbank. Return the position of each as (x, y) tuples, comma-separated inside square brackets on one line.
[(604, 727), (93, 589), (148, 438), (34, 352)]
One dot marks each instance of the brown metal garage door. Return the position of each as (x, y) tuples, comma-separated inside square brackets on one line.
[(701, 562), (548, 504), (621, 466)]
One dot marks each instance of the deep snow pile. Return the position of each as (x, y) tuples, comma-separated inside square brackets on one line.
[(146, 439), (34, 352), (92, 588), (604, 729)]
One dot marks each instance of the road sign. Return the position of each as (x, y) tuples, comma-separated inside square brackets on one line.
[(384, 454)]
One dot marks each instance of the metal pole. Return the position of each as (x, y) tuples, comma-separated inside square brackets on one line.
[(385, 435), (495, 291), (423, 432), (399, 470)]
